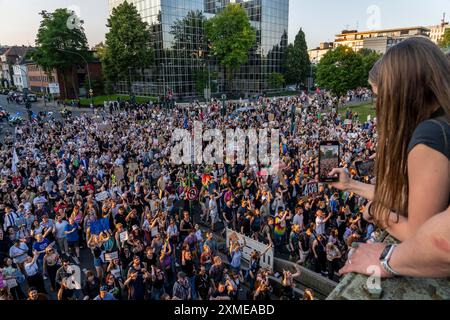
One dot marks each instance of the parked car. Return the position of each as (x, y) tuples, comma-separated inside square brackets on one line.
[(32, 98)]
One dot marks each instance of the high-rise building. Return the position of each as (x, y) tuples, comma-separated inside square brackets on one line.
[(181, 51)]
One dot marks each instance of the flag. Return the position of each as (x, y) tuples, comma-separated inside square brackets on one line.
[(15, 161)]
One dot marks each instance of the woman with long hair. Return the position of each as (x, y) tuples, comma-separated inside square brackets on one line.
[(412, 82), (51, 265)]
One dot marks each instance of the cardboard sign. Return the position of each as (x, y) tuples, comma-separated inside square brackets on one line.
[(133, 167), (267, 260), (119, 173), (348, 122), (123, 236), (111, 256), (102, 196), (310, 188)]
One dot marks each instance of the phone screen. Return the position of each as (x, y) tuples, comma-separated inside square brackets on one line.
[(366, 168), (328, 160)]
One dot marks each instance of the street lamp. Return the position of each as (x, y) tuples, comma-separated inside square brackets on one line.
[(25, 90), (224, 107), (91, 93), (164, 80), (131, 86)]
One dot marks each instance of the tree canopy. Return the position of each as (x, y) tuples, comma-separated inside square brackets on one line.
[(342, 69), (55, 41), (445, 41), (296, 61), (231, 37), (128, 43)]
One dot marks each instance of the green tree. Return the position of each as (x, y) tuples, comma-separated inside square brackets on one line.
[(445, 41), (341, 70), (57, 41), (203, 79), (296, 61), (128, 43), (369, 59), (231, 37), (276, 80)]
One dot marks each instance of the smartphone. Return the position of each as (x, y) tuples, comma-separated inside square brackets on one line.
[(365, 168), (329, 155)]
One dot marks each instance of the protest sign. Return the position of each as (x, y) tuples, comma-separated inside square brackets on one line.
[(111, 256), (102, 196), (310, 188), (119, 173), (123, 236)]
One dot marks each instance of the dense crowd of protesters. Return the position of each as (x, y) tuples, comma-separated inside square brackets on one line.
[(50, 210), (100, 192)]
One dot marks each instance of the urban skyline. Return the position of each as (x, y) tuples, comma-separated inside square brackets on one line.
[(321, 21)]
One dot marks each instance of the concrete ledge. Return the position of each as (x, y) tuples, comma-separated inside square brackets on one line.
[(353, 287), (322, 286)]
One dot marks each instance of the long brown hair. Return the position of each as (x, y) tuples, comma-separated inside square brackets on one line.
[(413, 80)]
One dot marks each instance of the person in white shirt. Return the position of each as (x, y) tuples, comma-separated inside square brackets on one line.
[(34, 277), (10, 218), (19, 253), (298, 218), (321, 220)]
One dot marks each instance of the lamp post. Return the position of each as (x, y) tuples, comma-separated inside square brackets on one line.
[(164, 82), (25, 90), (91, 93), (131, 87), (224, 106)]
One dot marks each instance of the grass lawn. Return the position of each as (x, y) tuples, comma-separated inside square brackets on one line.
[(99, 100), (363, 110)]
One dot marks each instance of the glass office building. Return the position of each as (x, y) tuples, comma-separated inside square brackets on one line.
[(181, 52)]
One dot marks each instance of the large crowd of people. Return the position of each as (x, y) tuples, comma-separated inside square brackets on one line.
[(82, 184), (99, 193)]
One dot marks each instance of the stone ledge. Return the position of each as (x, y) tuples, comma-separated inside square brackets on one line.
[(353, 287)]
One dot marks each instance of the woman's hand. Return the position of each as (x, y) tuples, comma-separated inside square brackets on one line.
[(368, 212), (366, 260), (344, 179)]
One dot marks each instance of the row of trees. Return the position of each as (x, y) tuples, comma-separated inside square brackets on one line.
[(228, 37)]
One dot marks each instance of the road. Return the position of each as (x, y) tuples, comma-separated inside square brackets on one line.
[(36, 107)]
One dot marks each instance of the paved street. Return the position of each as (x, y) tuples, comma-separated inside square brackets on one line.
[(14, 109)]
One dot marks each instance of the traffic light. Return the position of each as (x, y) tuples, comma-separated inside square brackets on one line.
[(91, 92)]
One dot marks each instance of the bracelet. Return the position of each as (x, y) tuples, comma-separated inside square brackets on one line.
[(369, 210)]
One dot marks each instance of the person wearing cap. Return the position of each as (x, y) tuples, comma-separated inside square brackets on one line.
[(104, 294)]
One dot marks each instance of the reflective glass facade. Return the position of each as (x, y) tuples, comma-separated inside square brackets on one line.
[(181, 51)]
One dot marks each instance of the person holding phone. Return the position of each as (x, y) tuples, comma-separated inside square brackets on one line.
[(413, 153)]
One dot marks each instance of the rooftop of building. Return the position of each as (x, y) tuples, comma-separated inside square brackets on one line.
[(356, 32)]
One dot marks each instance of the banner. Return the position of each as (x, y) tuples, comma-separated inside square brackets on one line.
[(111, 256), (267, 260), (310, 188), (102, 196), (119, 173)]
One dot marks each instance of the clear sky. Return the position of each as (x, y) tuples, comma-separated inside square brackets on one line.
[(320, 19)]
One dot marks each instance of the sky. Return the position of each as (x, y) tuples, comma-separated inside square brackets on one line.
[(320, 19)]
